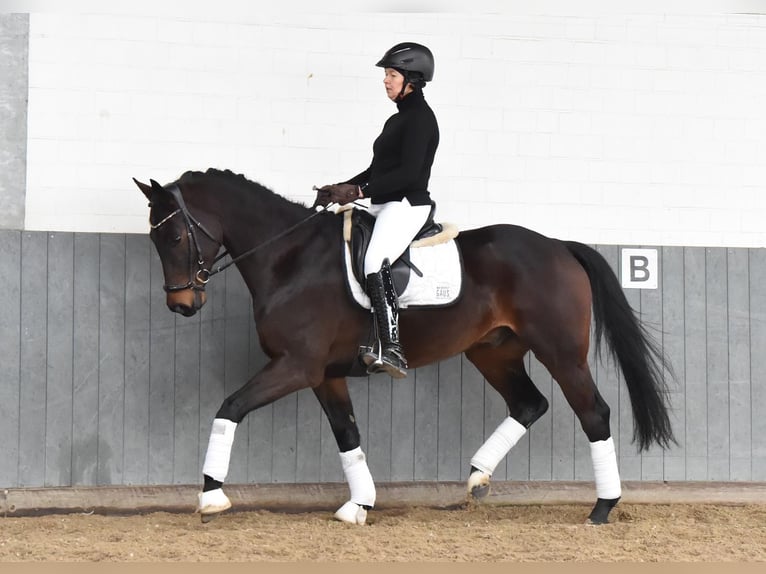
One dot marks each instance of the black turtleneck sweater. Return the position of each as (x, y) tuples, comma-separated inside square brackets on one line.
[(403, 154)]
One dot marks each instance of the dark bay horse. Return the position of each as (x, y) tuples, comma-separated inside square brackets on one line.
[(521, 292)]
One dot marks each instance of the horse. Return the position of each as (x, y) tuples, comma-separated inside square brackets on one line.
[(521, 292)]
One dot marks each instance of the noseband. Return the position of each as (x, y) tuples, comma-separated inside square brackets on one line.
[(198, 278)]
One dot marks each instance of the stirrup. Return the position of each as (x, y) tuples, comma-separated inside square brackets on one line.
[(370, 354), (392, 362)]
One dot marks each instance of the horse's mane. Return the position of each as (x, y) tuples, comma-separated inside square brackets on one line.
[(237, 178)]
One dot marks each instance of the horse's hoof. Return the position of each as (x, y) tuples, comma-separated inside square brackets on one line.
[(351, 513), (478, 485), (600, 512), (212, 503), (209, 517)]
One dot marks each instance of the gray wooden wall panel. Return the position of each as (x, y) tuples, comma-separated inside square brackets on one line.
[(138, 259), (85, 413), (58, 395), (111, 354), (10, 345), (758, 362), (695, 387), (161, 381), (379, 426), (426, 422), (403, 429), (717, 353), (104, 385), (450, 420), (33, 371), (738, 343), (673, 346), (186, 392)]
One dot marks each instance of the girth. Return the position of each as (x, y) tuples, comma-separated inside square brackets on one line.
[(361, 232)]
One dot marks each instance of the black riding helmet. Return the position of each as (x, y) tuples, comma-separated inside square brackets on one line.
[(413, 61)]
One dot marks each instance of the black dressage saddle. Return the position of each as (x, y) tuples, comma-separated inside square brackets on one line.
[(361, 231)]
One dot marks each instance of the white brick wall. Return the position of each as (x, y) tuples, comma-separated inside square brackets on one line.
[(602, 127)]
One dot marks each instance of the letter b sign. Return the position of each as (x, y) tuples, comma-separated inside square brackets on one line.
[(639, 268)]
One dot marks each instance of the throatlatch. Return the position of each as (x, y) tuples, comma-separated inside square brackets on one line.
[(386, 354)]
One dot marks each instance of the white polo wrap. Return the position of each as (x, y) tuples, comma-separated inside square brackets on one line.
[(605, 469), (219, 449), (358, 477), (498, 445)]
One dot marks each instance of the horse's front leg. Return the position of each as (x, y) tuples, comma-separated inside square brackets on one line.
[(280, 377), (334, 398)]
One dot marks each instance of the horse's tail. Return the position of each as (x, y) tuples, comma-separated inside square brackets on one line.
[(631, 346)]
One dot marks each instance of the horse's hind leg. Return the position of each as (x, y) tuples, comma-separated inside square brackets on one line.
[(503, 367), (336, 403), (582, 395)]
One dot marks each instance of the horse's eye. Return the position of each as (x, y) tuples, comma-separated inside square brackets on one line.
[(176, 240)]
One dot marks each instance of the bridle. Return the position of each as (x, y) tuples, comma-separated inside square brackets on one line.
[(199, 278)]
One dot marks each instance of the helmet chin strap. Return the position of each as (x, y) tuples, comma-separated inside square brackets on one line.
[(404, 87)]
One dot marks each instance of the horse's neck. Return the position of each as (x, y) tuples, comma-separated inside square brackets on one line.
[(249, 220), (254, 223)]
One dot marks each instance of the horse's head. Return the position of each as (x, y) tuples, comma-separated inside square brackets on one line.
[(187, 244)]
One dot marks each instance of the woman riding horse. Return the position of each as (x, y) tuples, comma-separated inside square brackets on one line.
[(397, 184)]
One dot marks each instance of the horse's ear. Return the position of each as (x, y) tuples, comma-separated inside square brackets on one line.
[(156, 186), (145, 188)]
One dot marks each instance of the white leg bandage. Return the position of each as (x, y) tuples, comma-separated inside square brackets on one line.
[(498, 445), (358, 477), (605, 469), (219, 449)]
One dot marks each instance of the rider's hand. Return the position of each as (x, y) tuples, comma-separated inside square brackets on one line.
[(341, 193), (344, 193), (323, 196)]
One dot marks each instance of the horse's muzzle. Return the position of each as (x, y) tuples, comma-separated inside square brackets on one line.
[(186, 302)]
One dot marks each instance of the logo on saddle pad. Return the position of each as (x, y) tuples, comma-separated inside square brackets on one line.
[(428, 273)]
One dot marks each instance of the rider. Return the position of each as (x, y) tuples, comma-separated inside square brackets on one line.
[(397, 184)]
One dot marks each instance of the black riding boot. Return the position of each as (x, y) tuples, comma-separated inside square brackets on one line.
[(386, 354)]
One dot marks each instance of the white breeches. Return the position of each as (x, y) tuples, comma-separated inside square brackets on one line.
[(396, 224)]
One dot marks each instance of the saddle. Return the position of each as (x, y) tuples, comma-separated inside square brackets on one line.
[(361, 224)]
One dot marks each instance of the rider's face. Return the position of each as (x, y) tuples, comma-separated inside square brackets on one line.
[(393, 82)]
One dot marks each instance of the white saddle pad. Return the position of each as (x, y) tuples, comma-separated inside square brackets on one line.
[(440, 284)]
